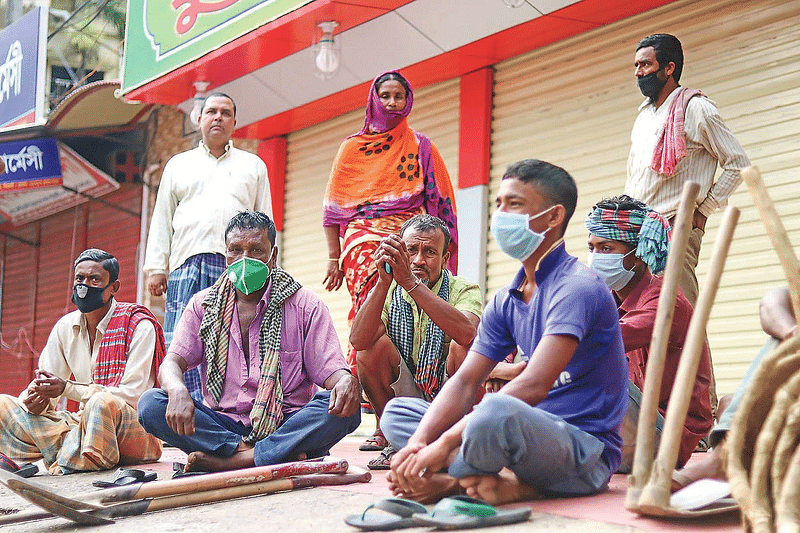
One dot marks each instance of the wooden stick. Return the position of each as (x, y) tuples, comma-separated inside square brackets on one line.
[(216, 480), (655, 496), (656, 356), (777, 233)]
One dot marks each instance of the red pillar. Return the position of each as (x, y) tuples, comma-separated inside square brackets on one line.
[(273, 153), (475, 128)]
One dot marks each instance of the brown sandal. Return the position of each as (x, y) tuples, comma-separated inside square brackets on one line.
[(375, 443), (384, 460)]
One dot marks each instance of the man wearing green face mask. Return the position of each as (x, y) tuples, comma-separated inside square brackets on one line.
[(263, 345)]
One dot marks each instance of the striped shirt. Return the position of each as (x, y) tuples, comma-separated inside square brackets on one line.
[(708, 142)]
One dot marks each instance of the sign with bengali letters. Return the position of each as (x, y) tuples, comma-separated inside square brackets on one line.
[(163, 35), (23, 48), (30, 165)]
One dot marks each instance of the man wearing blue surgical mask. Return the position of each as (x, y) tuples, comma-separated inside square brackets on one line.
[(263, 345), (553, 429), (628, 243), (104, 356)]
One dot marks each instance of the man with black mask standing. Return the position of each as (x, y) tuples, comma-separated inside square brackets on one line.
[(104, 355), (679, 137)]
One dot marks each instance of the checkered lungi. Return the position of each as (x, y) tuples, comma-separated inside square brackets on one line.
[(104, 434), (197, 273)]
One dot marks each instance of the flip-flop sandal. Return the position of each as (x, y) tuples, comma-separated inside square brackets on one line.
[(399, 514), (24, 470), (127, 476), (463, 512), (375, 443), (384, 460), (179, 470)]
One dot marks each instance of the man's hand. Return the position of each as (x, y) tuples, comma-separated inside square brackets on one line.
[(180, 412), (48, 385), (35, 403), (333, 277), (157, 284), (345, 397), (393, 251), (699, 220)]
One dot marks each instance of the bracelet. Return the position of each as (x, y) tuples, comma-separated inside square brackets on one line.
[(333, 259), (415, 286)]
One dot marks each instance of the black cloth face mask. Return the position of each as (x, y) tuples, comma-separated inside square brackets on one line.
[(651, 85), (88, 299)]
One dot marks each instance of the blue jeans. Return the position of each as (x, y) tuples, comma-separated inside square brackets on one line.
[(541, 449), (310, 430), (629, 426)]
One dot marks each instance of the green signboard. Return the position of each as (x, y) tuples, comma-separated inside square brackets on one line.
[(162, 35)]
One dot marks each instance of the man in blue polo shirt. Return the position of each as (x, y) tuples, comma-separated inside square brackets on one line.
[(552, 429)]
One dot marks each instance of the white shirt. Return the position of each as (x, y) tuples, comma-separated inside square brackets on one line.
[(197, 197), (708, 142), (67, 353)]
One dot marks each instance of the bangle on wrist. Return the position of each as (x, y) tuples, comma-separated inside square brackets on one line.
[(333, 259), (415, 286)]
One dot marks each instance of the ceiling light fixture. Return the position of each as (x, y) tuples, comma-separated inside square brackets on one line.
[(326, 51), (514, 3), (200, 88)]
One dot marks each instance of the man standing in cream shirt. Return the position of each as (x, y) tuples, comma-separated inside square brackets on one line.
[(200, 191)]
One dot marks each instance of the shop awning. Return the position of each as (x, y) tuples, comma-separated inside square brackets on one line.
[(431, 40)]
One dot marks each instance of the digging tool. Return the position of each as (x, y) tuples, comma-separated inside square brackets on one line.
[(655, 497), (171, 487), (656, 356), (75, 510)]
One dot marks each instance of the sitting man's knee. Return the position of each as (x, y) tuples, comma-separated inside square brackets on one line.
[(103, 401), (152, 405)]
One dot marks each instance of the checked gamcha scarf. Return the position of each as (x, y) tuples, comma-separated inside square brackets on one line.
[(429, 372), (267, 412)]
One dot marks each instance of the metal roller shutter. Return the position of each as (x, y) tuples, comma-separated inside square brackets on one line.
[(310, 154), (573, 103)]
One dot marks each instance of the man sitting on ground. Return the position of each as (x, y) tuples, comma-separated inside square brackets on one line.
[(553, 428), (104, 355), (403, 332), (263, 344), (628, 243)]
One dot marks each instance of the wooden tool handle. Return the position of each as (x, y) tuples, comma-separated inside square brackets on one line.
[(656, 356), (245, 476), (777, 233), (655, 496)]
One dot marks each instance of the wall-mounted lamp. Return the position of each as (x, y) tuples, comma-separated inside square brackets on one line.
[(326, 51), (200, 88), (514, 3)]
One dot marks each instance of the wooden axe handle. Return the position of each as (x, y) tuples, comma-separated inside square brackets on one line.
[(777, 233), (656, 356), (656, 493)]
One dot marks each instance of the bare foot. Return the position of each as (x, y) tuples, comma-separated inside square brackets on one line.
[(500, 488), (243, 457), (438, 486), (712, 466)]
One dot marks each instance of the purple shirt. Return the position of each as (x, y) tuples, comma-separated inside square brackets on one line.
[(310, 353)]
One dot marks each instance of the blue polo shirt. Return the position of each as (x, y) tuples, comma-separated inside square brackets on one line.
[(570, 299)]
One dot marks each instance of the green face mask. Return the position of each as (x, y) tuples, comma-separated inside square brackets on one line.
[(248, 275)]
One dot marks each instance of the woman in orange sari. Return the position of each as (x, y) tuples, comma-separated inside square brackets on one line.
[(382, 176)]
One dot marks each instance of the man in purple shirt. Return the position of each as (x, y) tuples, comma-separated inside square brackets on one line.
[(263, 345)]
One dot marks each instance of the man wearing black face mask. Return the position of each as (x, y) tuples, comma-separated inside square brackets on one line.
[(679, 137), (112, 350)]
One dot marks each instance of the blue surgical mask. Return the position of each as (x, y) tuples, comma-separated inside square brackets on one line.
[(514, 235), (610, 268)]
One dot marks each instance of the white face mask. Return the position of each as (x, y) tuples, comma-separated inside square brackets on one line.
[(514, 235), (610, 268)]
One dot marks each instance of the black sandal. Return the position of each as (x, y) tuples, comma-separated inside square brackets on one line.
[(127, 476), (24, 470)]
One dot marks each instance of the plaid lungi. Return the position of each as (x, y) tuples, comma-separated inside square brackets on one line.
[(197, 273), (104, 434)]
